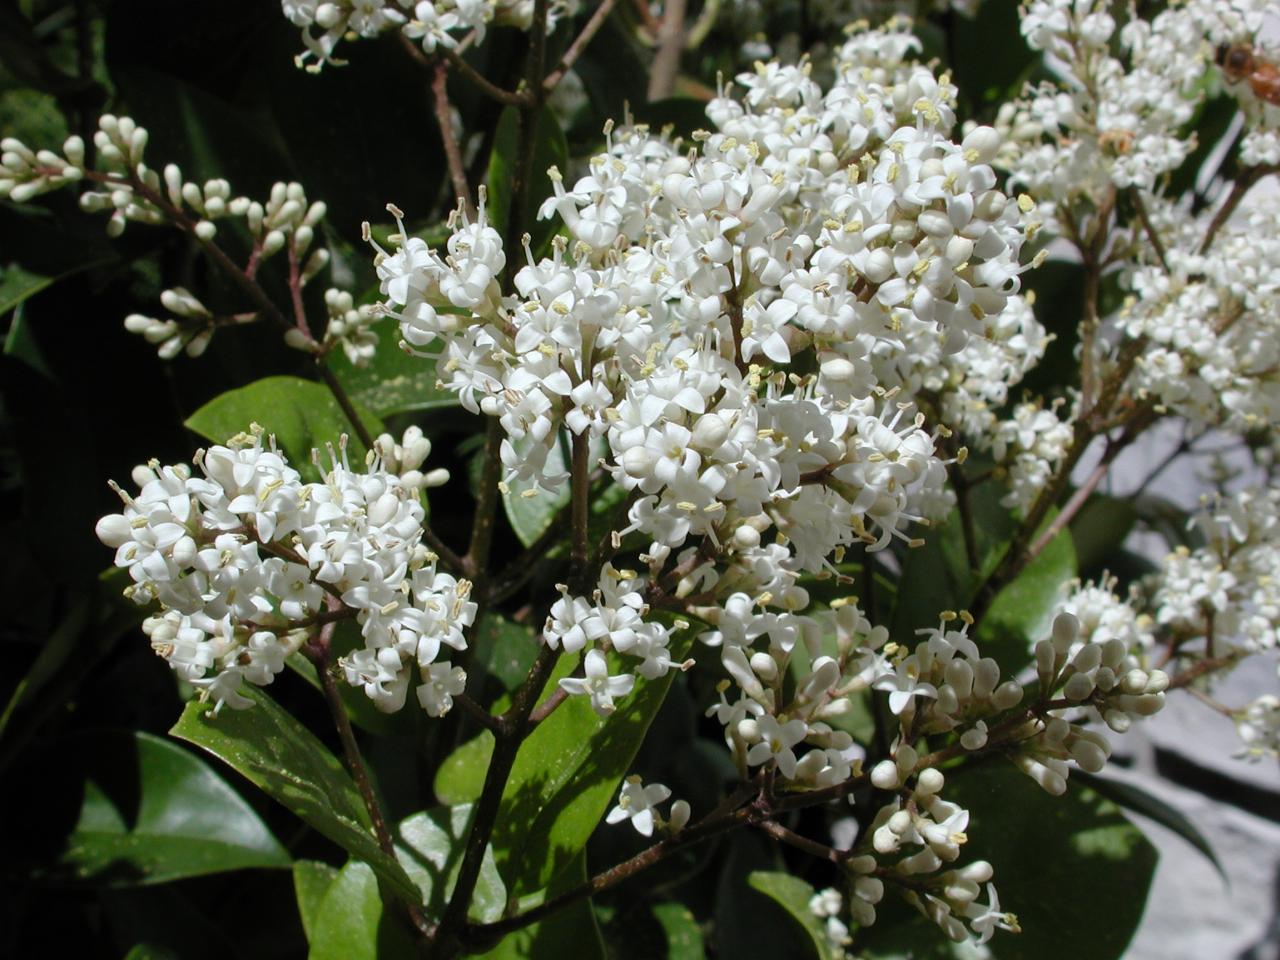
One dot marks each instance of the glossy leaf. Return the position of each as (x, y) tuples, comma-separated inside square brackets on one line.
[(637, 930), (1072, 868), (530, 509), (460, 777), (311, 881), (430, 849), (276, 753), (550, 150), (1023, 611), (565, 777), (1132, 797), (352, 923), (152, 812), (793, 895), (301, 414), (1100, 528), (393, 381), (570, 932)]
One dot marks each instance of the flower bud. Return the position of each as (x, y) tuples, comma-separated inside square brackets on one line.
[(884, 775), (680, 813), (984, 142)]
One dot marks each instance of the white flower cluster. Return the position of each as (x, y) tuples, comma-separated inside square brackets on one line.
[(829, 223), (1211, 321), (1118, 114), (441, 23), (1226, 594), (1100, 678), (611, 620), (246, 561), (131, 190)]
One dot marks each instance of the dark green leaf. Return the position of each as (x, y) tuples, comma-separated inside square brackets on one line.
[(351, 923), (793, 895), (506, 650), (565, 776), (748, 923), (275, 752), (570, 932), (1100, 528), (530, 509), (642, 931), (1023, 611), (152, 812), (550, 150), (311, 881), (460, 778), (301, 414), (1132, 797), (393, 381), (1072, 868), (430, 849), (684, 937)]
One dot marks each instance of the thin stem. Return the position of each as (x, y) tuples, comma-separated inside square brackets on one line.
[(811, 847), (478, 713), (666, 63), (317, 651), (706, 829), (344, 401), (589, 30), (449, 139), (1243, 184), (1156, 244), (477, 560), (509, 98)]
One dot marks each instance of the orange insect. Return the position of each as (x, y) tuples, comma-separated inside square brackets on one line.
[(1239, 62)]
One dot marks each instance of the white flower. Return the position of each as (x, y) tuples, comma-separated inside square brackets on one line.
[(597, 683), (442, 682), (637, 803)]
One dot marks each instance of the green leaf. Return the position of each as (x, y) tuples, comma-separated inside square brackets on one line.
[(529, 508), (311, 881), (1072, 868), (276, 753), (351, 923), (430, 848), (684, 937), (1023, 611), (393, 381), (938, 576), (152, 812), (747, 922), (793, 895), (460, 778), (301, 414), (550, 150), (641, 931), (1132, 797), (565, 776), (572, 931), (506, 650), (1100, 528)]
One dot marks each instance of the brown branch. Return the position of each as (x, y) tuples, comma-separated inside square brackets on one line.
[(510, 98), (452, 152), (666, 63), (589, 30), (1156, 244), (1243, 184)]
